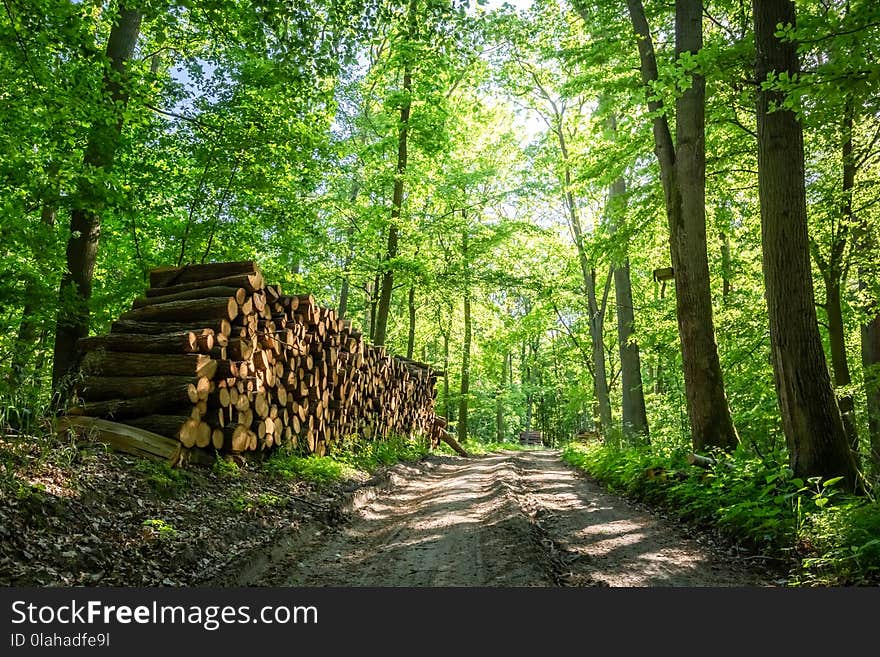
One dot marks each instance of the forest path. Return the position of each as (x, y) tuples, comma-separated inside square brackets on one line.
[(502, 519)]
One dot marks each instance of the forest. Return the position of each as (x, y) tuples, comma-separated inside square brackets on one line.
[(648, 230)]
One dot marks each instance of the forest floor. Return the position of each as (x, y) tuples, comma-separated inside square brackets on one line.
[(501, 519), (82, 516)]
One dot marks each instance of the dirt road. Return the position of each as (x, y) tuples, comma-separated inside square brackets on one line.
[(504, 519)]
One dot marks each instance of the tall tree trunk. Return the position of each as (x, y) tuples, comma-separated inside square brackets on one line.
[(870, 351), (725, 266), (85, 218), (865, 248), (499, 401), (446, 378), (836, 332), (411, 334), (634, 418), (466, 346), (683, 174), (374, 302), (345, 288), (397, 197), (597, 312), (814, 430)]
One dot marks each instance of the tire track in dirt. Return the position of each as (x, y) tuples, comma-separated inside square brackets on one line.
[(503, 519)]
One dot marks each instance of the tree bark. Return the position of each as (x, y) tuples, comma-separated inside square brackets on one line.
[(634, 417), (397, 197), (411, 334), (682, 173), (726, 286), (814, 430), (596, 312), (466, 346), (500, 430), (85, 218)]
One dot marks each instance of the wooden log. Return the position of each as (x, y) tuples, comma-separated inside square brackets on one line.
[(447, 438), (171, 399), (165, 425), (190, 431), (187, 310), (185, 342), (122, 363), (170, 276), (128, 439), (239, 293), (250, 283), (100, 388), (216, 326)]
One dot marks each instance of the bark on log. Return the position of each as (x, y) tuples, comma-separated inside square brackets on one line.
[(186, 342), (172, 399), (187, 310), (101, 388), (164, 425), (170, 276), (131, 440), (250, 282), (239, 293), (121, 363), (447, 438), (217, 326)]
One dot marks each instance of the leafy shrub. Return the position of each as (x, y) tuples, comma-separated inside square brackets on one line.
[(753, 501)]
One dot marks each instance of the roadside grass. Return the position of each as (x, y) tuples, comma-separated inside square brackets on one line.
[(830, 538), (351, 459)]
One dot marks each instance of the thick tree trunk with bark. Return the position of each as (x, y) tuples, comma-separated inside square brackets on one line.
[(682, 172), (813, 427), (85, 219)]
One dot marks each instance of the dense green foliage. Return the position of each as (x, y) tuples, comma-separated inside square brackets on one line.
[(822, 535)]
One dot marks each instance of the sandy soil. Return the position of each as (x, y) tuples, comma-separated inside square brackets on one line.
[(504, 519)]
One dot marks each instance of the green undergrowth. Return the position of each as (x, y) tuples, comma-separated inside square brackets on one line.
[(478, 448), (829, 537), (347, 461)]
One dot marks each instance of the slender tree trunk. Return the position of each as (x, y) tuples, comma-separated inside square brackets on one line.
[(865, 248), (345, 288), (682, 172), (374, 302), (597, 313), (870, 351), (813, 427), (85, 218), (466, 347), (839, 364), (499, 401), (411, 335), (397, 197), (836, 332), (725, 267), (634, 417), (446, 378)]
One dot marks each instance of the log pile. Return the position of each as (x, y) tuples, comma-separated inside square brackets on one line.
[(531, 438), (211, 355)]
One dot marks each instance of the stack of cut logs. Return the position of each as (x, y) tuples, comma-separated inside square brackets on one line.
[(211, 355)]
